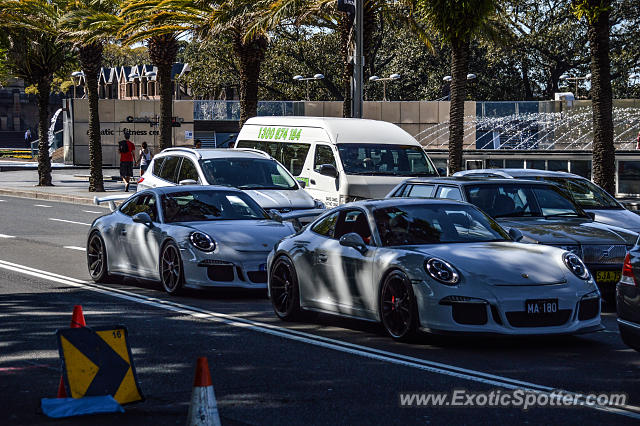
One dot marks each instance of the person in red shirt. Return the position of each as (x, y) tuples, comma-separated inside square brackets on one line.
[(127, 158)]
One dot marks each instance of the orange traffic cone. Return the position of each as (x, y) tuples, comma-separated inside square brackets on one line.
[(77, 321), (203, 410)]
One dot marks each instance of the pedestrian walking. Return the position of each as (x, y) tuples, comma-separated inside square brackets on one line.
[(127, 158), (144, 158), (197, 144), (638, 141)]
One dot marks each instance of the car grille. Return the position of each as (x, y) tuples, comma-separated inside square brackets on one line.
[(523, 319), (588, 308), (220, 273), (604, 254)]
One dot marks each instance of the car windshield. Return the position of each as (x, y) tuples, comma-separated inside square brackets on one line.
[(247, 173), (587, 194), (196, 206), (522, 200), (385, 160), (435, 224)]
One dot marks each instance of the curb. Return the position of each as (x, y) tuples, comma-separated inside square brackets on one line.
[(42, 195)]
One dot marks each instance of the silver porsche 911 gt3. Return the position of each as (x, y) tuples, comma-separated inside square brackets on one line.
[(186, 236), (437, 265)]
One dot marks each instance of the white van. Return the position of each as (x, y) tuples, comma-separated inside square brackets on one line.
[(339, 159)]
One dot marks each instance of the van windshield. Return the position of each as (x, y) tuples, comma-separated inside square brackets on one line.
[(247, 173), (385, 160)]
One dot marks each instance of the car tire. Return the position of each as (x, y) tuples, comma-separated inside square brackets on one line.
[(398, 309), (284, 290), (171, 270), (97, 258)]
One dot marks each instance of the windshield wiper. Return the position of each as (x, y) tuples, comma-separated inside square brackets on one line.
[(517, 214), (566, 214)]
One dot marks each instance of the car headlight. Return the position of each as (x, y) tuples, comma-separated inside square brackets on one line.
[(441, 271), (202, 241), (575, 265), (317, 204)]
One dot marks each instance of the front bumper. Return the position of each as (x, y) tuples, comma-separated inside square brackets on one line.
[(500, 310), (224, 267)]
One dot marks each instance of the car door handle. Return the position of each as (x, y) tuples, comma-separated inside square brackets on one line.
[(123, 232), (322, 258), (312, 181)]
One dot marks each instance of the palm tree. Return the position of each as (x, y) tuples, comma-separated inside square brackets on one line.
[(36, 52), (146, 21), (596, 13), (456, 22), (88, 24)]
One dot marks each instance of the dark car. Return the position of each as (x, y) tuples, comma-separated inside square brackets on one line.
[(628, 300), (543, 213)]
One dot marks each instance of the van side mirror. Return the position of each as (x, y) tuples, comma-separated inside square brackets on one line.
[(355, 241), (188, 182), (302, 183), (327, 170), (515, 234)]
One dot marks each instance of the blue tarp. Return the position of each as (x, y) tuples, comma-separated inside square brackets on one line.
[(67, 407)]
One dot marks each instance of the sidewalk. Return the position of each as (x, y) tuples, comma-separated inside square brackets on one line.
[(70, 185)]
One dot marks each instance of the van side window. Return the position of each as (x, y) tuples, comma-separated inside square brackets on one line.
[(290, 155), (324, 155)]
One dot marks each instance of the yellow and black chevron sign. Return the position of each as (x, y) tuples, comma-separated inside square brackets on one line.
[(98, 361)]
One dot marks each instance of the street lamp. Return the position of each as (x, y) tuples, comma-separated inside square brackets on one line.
[(384, 83), (448, 78), (307, 79), (76, 76), (567, 77)]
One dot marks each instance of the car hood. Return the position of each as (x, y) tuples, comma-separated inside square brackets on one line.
[(281, 198), (623, 218), (371, 186), (244, 235), (502, 263), (569, 231)]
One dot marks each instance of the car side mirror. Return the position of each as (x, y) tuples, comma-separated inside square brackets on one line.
[(188, 182), (592, 215), (353, 240), (143, 218), (302, 184), (515, 234), (328, 170), (441, 171)]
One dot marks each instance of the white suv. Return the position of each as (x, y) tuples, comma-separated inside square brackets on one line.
[(256, 172)]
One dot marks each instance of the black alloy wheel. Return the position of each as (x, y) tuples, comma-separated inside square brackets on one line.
[(284, 290), (171, 273), (97, 258), (397, 306)]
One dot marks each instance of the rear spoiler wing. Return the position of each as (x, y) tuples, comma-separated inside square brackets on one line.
[(111, 199), (295, 216)]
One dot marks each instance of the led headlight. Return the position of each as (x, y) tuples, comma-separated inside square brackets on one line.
[(441, 271), (575, 265), (202, 241)]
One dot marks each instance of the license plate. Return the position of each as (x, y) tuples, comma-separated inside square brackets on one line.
[(608, 277), (541, 306)]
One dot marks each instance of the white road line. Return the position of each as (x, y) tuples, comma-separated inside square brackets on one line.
[(328, 343), (70, 221), (3, 201), (91, 211), (42, 205), (6, 236), (75, 248)]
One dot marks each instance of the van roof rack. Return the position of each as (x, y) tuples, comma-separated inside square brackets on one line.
[(189, 150)]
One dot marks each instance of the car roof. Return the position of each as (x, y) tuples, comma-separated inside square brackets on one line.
[(390, 202), (207, 153), (521, 173), (344, 130), (180, 188), (469, 180)]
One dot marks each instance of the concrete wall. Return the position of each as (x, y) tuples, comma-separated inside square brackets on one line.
[(139, 117)]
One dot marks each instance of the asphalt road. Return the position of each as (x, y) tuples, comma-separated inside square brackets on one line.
[(328, 370)]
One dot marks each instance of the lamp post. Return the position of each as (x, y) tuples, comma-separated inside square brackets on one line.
[(76, 76), (567, 77), (384, 83), (447, 79), (307, 79)]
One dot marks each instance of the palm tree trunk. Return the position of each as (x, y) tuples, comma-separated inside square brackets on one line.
[(250, 54), (44, 161), (347, 70), (604, 157), (91, 60), (166, 99), (459, 66)]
